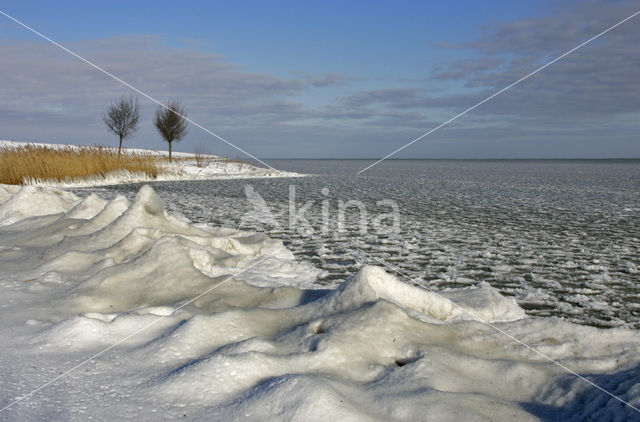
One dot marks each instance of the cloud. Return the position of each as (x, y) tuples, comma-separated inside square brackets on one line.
[(392, 97), (589, 98), (597, 81), (44, 84), (468, 68), (565, 26), (324, 80)]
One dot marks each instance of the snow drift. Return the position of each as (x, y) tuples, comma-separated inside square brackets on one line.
[(264, 341)]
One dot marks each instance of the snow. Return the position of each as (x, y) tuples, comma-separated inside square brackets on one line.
[(15, 144), (79, 276), (40, 202), (186, 168)]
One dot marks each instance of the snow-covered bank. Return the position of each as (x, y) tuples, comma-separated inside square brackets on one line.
[(146, 151), (184, 168), (78, 276)]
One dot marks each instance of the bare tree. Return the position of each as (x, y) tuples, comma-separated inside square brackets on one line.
[(122, 118), (202, 155), (170, 122)]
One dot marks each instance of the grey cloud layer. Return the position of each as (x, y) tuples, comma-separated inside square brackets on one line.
[(589, 96), (39, 78), (49, 95), (598, 81)]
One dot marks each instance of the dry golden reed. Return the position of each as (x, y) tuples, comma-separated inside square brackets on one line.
[(27, 163)]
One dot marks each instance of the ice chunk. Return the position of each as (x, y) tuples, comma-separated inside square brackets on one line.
[(484, 303), (31, 201)]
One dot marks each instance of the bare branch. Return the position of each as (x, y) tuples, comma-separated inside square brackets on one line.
[(171, 123), (202, 155), (122, 118)]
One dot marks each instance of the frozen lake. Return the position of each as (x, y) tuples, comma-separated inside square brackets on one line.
[(562, 237)]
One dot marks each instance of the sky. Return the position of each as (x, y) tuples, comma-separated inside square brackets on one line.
[(331, 79)]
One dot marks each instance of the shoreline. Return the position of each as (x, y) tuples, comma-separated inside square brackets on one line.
[(127, 178), (183, 168)]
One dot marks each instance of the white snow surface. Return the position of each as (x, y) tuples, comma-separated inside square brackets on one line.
[(186, 168), (184, 338)]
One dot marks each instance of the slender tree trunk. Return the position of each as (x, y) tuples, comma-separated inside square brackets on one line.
[(169, 151), (120, 147)]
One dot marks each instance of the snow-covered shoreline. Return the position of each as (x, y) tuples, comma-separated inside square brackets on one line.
[(265, 342), (185, 168)]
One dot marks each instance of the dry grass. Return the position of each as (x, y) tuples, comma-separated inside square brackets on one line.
[(240, 162), (21, 164)]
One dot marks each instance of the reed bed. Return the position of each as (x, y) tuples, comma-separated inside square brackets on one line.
[(23, 164)]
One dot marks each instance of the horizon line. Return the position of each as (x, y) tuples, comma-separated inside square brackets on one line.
[(458, 158), (348, 159)]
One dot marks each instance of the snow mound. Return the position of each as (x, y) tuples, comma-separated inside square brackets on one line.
[(221, 324), (482, 303), (31, 201), (6, 191), (88, 208)]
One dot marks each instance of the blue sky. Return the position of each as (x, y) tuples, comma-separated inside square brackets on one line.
[(332, 79)]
